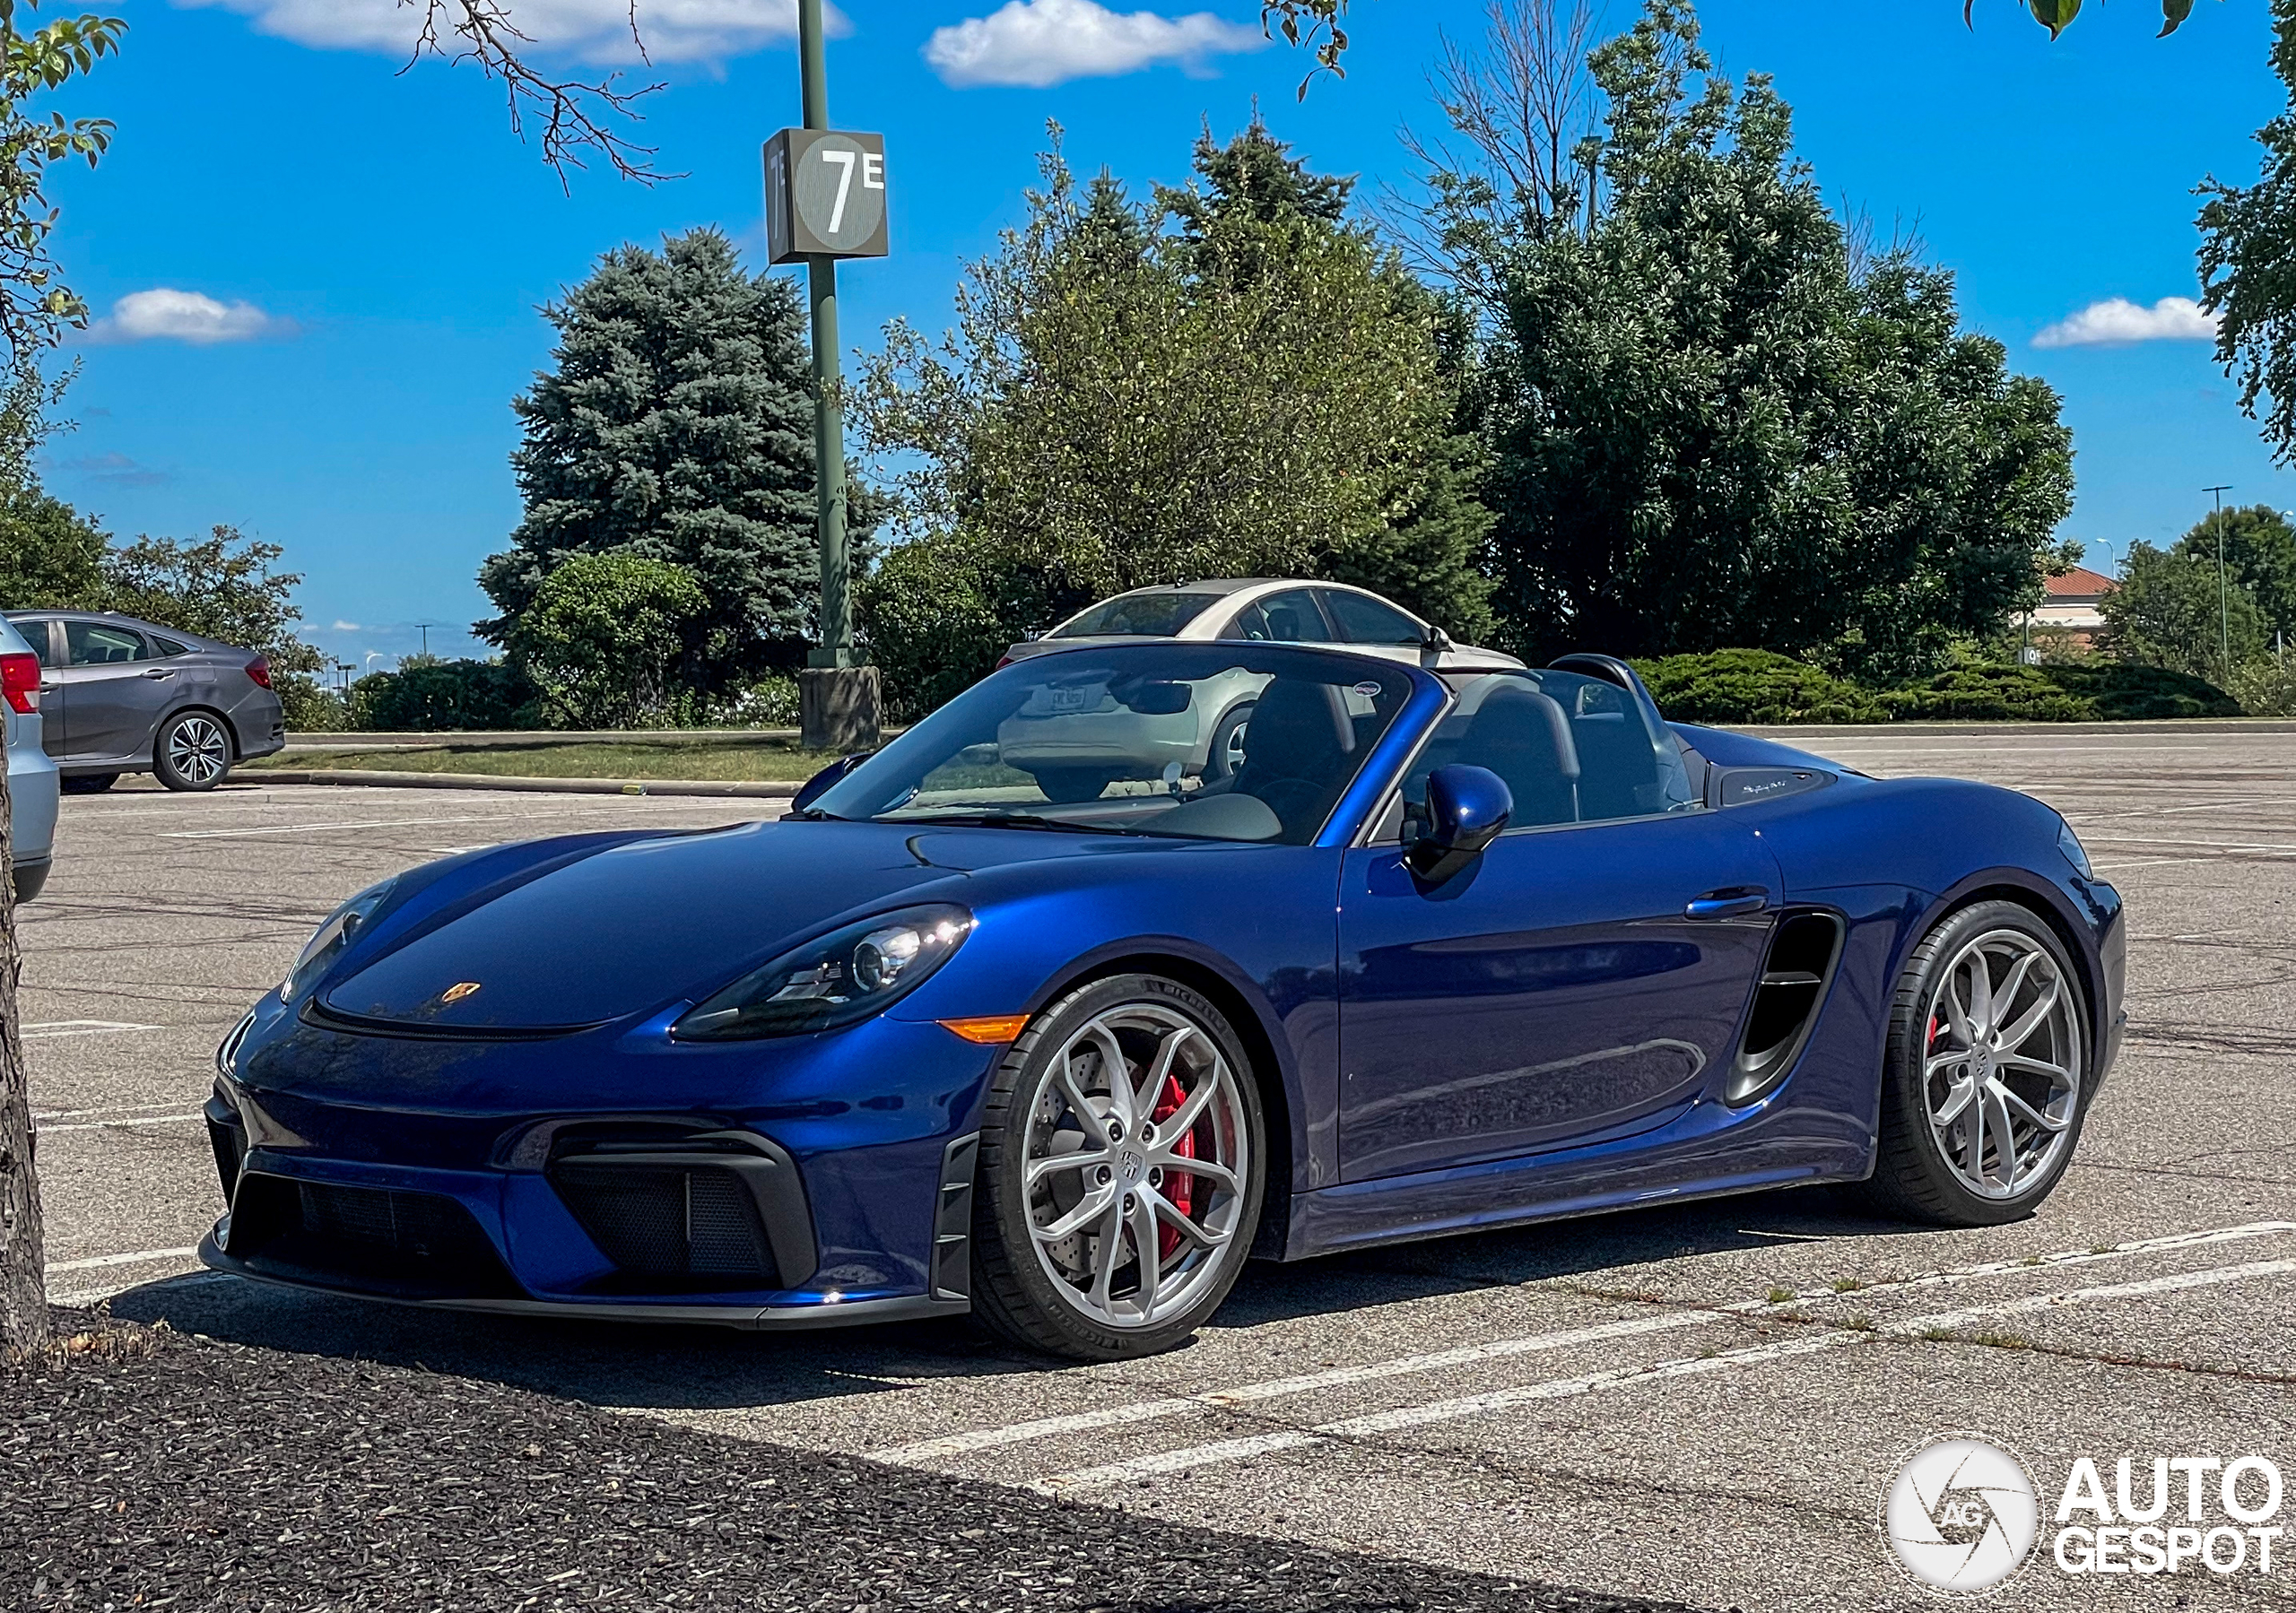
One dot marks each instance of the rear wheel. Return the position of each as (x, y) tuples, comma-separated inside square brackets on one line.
[(1987, 1079), (1122, 1165), (1227, 752), (192, 752)]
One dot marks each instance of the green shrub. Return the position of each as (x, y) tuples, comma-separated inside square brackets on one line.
[(2123, 693), (444, 696), (2265, 686), (2021, 694), (771, 701), (306, 708), (929, 624), (1754, 686)]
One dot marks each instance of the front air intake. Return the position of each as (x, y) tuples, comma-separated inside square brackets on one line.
[(1795, 974), (680, 1224)]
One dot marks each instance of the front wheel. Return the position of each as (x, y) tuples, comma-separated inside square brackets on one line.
[(1122, 1165), (1987, 1077), (192, 752)]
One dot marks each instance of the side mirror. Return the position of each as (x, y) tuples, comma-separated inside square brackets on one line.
[(818, 786), (1468, 808)]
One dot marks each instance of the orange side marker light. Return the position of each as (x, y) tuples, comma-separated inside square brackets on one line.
[(989, 1030)]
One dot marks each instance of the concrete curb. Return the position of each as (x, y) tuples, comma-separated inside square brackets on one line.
[(1809, 730), (737, 789), (524, 737)]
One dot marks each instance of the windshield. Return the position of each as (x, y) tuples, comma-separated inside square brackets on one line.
[(1215, 741), (1152, 615)]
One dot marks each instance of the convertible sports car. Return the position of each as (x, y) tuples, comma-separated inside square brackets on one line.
[(1451, 948)]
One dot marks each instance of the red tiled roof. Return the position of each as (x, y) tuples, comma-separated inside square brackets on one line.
[(2080, 583)]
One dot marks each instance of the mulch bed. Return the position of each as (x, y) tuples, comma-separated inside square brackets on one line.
[(145, 1469)]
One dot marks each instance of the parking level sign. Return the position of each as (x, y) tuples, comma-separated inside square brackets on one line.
[(824, 194)]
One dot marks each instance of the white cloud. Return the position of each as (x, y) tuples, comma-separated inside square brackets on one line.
[(595, 30), (164, 313), (346, 627), (1043, 42), (2116, 321)]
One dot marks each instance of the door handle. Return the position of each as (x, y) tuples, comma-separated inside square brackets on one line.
[(1726, 904), (158, 672)]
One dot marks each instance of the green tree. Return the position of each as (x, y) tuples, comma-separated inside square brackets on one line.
[(1716, 421), (603, 637), (36, 307), (675, 425), (1230, 381), (2259, 549), (2168, 612), (2248, 262)]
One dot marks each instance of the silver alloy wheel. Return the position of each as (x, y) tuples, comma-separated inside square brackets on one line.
[(197, 750), (1137, 1158), (2000, 1067)]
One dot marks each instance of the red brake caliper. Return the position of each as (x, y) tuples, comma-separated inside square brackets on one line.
[(1179, 1187)]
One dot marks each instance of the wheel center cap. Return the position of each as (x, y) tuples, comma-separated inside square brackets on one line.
[(1131, 1166), (1985, 1064)]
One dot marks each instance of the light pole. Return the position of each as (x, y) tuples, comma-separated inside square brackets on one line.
[(2224, 593), (825, 199), (828, 414)]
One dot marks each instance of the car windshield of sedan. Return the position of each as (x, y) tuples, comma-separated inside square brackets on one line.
[(1219, 742)]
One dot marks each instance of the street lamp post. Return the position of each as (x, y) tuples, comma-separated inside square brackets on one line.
[(825, 199), (2223, 591)]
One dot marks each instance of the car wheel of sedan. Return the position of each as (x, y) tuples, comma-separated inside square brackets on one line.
[(192, 753), (1122, 1165), (1227, 752), (1987, 1079)]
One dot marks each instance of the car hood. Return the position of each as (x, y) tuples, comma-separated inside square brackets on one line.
[(553, 935)]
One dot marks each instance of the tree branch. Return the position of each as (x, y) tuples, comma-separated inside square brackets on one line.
[(576, 115)]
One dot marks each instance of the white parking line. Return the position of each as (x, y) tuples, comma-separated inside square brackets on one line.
[(1499, 1400), (96, 1262), (106, 1125), (44, 1115), (48, 1030), (313, 828), (982, 1439)]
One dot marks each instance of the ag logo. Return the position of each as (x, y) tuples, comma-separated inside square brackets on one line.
[(1961, 1515)]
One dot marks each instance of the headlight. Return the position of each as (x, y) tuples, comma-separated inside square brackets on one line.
[(329, 939), (2070, 844), (841, 978)]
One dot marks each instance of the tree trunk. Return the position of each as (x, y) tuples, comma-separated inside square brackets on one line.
[(23, 1283)]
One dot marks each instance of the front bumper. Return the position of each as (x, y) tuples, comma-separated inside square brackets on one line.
[(768, 1215)]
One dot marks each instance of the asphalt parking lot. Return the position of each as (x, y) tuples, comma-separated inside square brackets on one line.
[(1702, 1403)]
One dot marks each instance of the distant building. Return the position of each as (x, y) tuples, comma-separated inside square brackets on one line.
[(2071, 601)]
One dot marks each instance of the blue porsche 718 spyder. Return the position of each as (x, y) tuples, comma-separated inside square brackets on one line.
[(1050, 1013)]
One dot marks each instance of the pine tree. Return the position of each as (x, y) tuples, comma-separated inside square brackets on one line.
[(676, 425)]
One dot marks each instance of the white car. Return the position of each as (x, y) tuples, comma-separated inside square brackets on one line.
[(1077, 740), (31, 777)]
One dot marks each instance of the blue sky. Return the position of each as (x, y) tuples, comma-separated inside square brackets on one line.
[(371, 245)]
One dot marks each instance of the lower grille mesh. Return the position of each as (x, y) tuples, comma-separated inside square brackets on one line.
[(375, 1238), (682, 1222)]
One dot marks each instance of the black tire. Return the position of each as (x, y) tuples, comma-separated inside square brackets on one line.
[(1912, 1179), (1015, 1295), (192, 752), (1218, 764), (1067, 786), (88, 784)]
